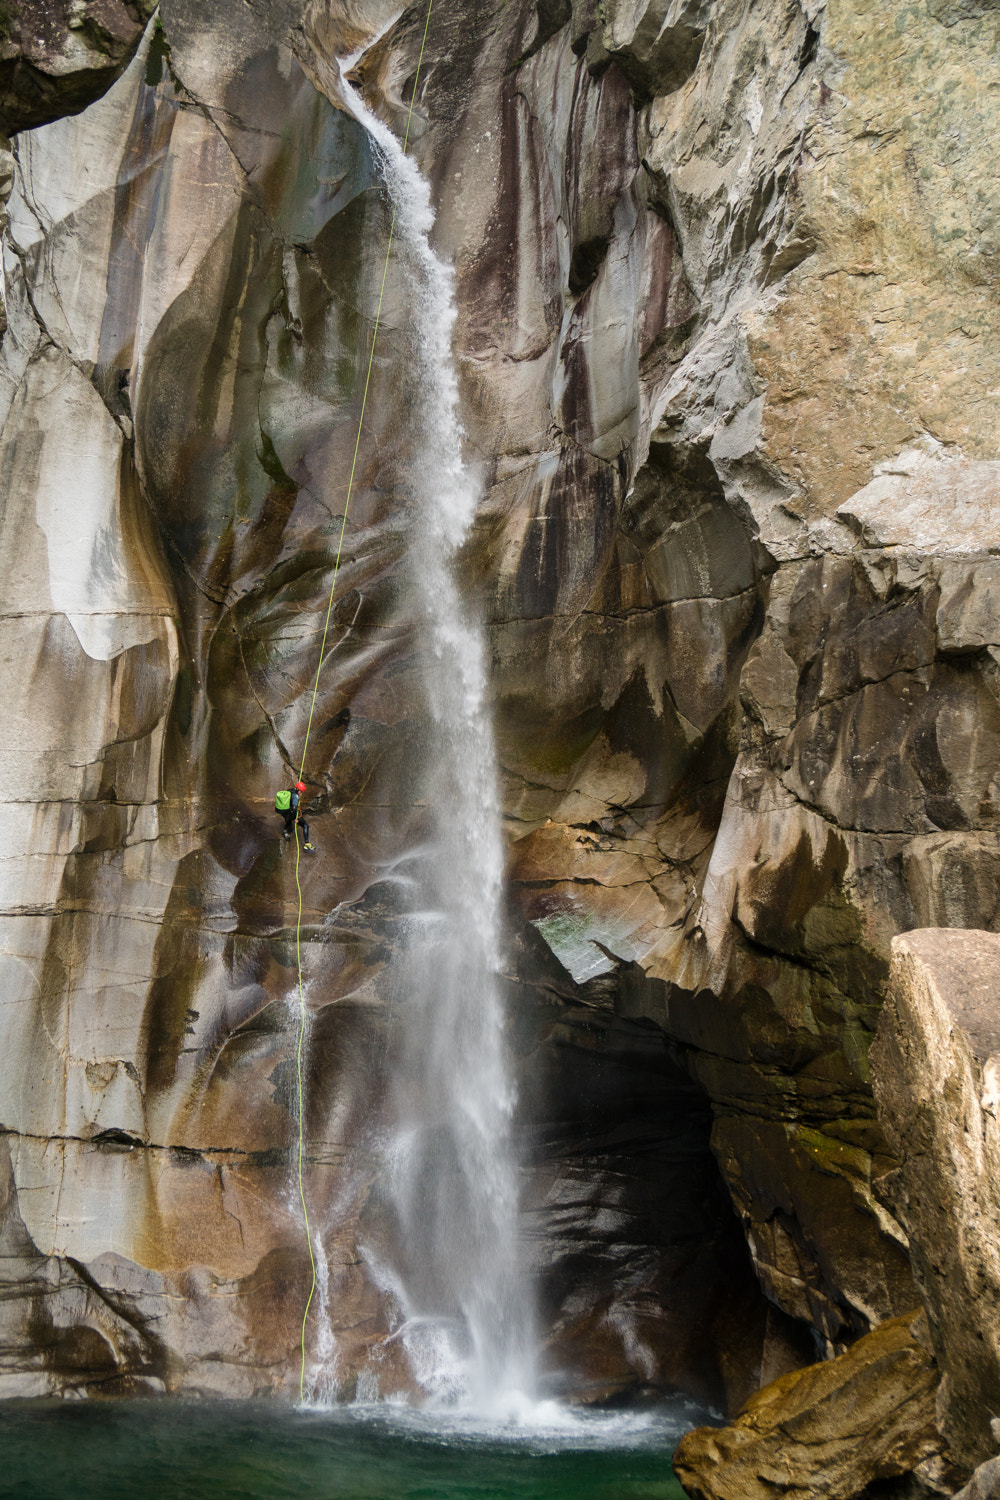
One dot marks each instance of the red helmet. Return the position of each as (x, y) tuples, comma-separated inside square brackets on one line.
[(300, 786)]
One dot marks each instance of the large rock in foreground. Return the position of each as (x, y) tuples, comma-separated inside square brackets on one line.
[(827, 1431), (936, 1065)]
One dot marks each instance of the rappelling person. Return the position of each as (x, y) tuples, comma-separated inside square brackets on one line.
[(287, 803)]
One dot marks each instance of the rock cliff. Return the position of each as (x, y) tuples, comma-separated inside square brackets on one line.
[(726, 275), (937, 1066)]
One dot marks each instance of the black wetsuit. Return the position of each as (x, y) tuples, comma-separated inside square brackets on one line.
[(291, 816)]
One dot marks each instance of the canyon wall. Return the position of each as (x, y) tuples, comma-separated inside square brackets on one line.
[(726, 276)]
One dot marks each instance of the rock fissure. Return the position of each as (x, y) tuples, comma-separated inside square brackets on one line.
[(818, 811), (123, 1141)]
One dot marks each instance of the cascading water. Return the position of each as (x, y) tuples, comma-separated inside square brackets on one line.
[(452, 1174)]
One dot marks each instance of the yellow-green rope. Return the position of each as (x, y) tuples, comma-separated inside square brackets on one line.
[(312, 710)]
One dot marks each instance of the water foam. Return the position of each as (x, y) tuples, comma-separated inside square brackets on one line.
[(452, 1174), (533, 1426)]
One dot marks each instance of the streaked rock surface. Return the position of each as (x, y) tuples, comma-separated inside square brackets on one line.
[(190, 294), (726, 277)]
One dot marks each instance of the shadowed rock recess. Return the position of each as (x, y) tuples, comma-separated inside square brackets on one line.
[(726, 275)]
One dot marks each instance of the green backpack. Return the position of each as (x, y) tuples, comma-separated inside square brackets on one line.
[(283, 801)]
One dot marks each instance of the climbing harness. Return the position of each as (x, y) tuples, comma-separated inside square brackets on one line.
[(305, 745)]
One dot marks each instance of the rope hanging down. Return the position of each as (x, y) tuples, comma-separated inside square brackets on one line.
[(305, 745)]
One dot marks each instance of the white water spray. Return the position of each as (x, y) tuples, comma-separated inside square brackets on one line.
[(453, 1174)]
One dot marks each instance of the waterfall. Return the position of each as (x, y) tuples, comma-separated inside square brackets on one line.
[(451, 1168)]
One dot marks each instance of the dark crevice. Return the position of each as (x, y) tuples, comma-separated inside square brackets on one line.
[(116, 1140), (586, 263), (124, 1140), (809, 48)]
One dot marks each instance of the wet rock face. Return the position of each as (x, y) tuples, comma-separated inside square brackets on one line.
[(725, 276), (180, 425)]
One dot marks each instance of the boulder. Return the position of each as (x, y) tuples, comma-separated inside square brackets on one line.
[(936, 1068), (58, 56), (826, 1432), (984, 1484)]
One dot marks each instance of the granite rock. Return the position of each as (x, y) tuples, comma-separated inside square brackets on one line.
[(827, 1432), (937, 1082), (725, 276), (58, 56), (984, 1484)]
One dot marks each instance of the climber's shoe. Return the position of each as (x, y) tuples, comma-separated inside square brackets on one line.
[(286, 836), (309, 848)]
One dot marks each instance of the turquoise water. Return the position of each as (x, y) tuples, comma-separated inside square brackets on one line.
[(172, 1450)]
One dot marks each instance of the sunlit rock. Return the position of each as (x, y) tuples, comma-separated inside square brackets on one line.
[(936, 1071), (829, 1431)]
